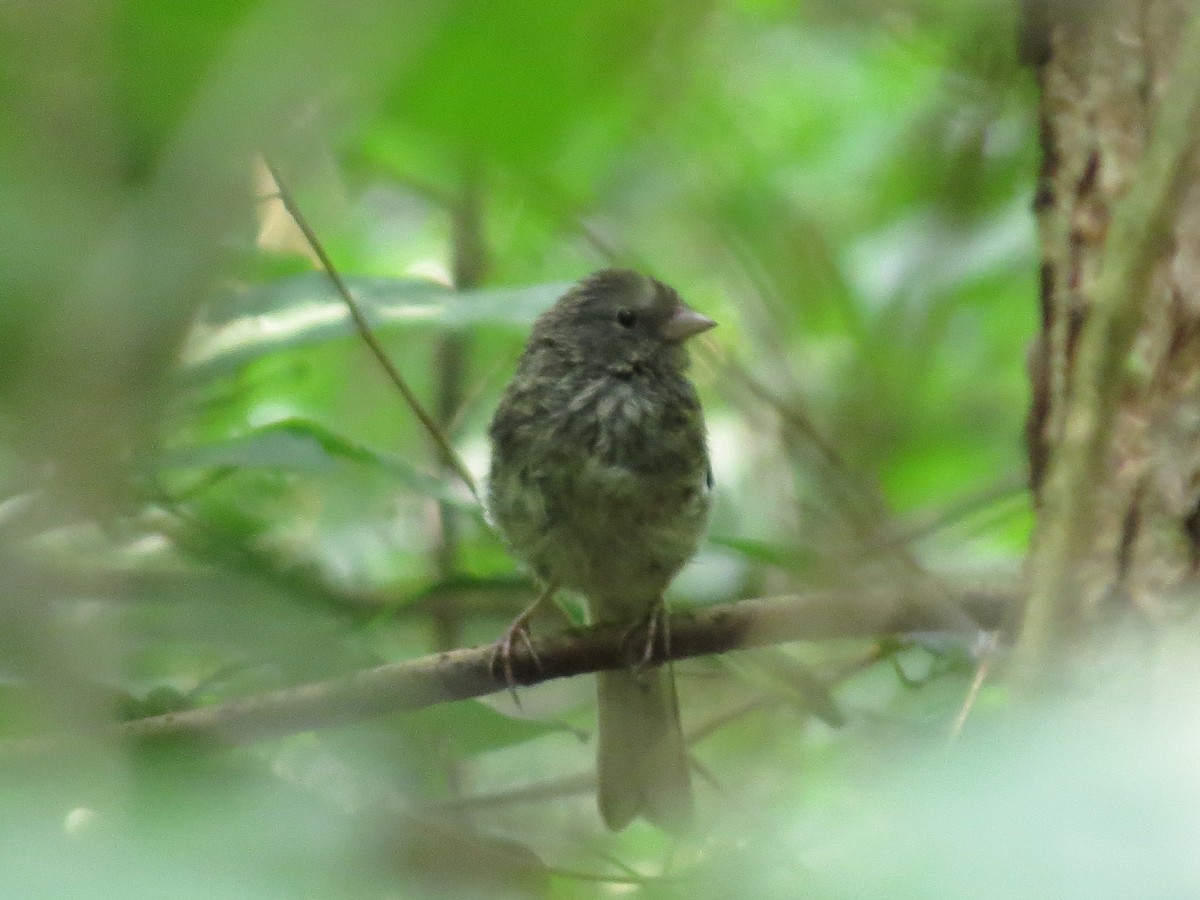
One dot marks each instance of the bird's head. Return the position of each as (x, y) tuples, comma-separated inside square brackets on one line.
[(618, 316)]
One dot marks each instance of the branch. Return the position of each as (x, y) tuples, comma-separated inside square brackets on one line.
[(1132, 249), (461, 674), (451, 458)]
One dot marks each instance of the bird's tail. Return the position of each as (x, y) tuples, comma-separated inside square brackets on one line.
[(642, 761)]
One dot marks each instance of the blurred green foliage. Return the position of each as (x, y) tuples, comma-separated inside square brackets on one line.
[(210, 489)]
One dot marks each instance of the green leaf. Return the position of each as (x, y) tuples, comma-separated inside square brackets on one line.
[(164, 51), (20, 711), (305, 310), (514, 80), (785, 557), (156, 701), (477, 728), (302, 445)]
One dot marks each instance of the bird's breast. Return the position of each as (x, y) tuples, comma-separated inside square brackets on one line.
[(603, 487)]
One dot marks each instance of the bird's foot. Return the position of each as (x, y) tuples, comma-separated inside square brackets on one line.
[(501, 662), (642, 636), (517, 633)]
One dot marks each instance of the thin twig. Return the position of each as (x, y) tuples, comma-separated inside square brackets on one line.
[(923, 525), (546, 790), (451, 352), (863, 508), (987, 657), (364, 330)]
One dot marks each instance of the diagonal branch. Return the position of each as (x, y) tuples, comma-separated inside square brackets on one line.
[(465, 673), (452, 459)]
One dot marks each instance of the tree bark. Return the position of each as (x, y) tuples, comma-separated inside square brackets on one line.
[(1114, 425)]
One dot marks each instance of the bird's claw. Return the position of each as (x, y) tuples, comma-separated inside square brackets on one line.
[(648, 629), (501, 662)]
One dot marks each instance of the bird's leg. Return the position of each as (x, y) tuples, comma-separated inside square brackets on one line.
[(648, 627), (518, 632)]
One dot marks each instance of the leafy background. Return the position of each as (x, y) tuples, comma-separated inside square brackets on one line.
[(210, 488)]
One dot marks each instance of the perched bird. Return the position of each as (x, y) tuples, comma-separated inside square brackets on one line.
[(600, 481)]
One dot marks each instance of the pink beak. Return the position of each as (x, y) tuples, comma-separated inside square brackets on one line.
[(684, 323)]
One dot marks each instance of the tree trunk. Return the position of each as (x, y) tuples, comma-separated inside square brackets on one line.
[(1106, 73)]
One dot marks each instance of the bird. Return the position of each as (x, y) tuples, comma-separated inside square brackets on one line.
[(600, 481)]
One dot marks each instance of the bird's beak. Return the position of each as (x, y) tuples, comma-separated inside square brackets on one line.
[(684, 323)]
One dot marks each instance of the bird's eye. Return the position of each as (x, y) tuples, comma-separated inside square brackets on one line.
[(626, 318)]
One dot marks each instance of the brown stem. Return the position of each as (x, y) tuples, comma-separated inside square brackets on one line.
[(468, 263), (460, 674), (368, 337)]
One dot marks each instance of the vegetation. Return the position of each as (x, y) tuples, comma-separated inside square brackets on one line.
[(212, 493)]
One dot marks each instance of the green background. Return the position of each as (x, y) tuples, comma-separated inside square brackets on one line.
[(209, 488)]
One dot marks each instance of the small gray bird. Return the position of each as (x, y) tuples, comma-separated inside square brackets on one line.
[(600, 481)]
